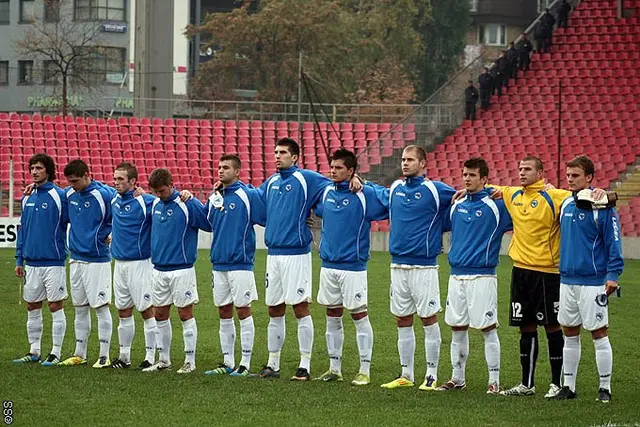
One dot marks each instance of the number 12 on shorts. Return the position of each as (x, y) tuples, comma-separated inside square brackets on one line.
[(516, 310)]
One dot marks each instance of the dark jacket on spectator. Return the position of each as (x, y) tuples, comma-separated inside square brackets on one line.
[(471, 95)]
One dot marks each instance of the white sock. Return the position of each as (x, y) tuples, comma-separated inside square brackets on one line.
[(82, 326), (492, 355), (150, 332), (163, 342), (604, 360), (335, 338), (34, 330), (275, 340), (190, 335), (305, 341), (105, 329), (459, 354), (571, 353), (364, 338), (406, 349), (126, 330), (247, 334), (58, 330), (432, 341), (227, 333)]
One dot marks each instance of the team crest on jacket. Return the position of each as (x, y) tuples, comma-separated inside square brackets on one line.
[(287, 187), (418, 195), (127, 208), (87, 204), (581, 216), (232, 206), (44, 205), (534, 204), (345, 202), (478, 213), (169, 212)]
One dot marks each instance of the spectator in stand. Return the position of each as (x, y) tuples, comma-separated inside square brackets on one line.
[(512, 56), (471, 98), (485, 81), (524, 48), (548, 19), (505, 69), (543, 37), (496, 77), (563, 14)]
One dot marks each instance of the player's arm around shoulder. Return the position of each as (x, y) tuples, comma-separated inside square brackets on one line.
[(258, 207), (377, 207)]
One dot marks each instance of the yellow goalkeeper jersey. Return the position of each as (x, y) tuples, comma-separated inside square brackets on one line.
[(536, 227)]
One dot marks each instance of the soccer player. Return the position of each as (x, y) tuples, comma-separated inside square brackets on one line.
[(344, 250), (477, 224), (174, 249), (417, 207), (133, 271), (90, 265), (590, 264), (289, 196), (40, 258), (232, 213)]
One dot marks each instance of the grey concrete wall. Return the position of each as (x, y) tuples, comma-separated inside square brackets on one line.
[(31, 98)]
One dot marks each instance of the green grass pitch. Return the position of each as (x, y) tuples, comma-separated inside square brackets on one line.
[(85, 396)]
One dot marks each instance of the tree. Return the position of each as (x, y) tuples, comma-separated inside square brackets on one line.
[(348, 47), (69, 50), (444, 38)]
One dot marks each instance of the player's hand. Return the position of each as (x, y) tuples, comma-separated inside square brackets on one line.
[(107, 240), (217, 186), (19, 271), (459, 195), (356, 184), (186, 195), (548, 186), (29, 189), (598, 194), (610, 287), (310, 222), (497, 194), (139, 191)]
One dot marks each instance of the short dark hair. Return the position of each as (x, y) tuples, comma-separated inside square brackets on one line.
[(478, 163), (291, 145), (160, 177), (348, 157), (233, 158), (47, 162), (584, 163), (422, 155), (76, 168), (132, 171), (538, 162)]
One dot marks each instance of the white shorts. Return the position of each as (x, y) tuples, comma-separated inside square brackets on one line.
[(472, 301), (288, 279), (583, 305), (237, 287), (415, 290), (342, 288), (177, 287), (133, 284), (45, 283), (90, 283)]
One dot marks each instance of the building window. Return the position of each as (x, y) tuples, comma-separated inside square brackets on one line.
[(51, 10), (4, 72), (27, 10), (104, 65), (5, 9), (25, 72), (50, 73), (473, 5), (492, 34), (543, 4), (100, 10)]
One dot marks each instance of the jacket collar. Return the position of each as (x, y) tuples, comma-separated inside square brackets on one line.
[(45, 187), (414, 180), (233, 187), (535, 187), (286, 173), (342, 186), (478, 196), (127, 196)]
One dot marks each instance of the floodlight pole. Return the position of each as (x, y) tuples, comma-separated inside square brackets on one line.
[(559, 132), (299, 94)]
